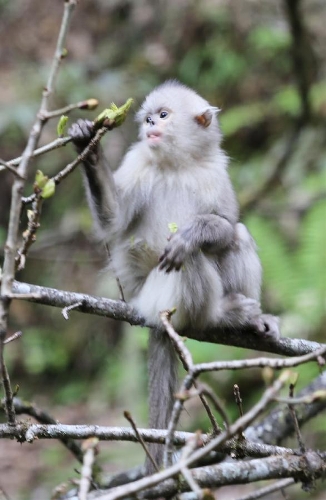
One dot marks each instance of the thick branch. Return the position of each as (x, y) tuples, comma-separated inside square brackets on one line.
[(122, 311), (244, 472)]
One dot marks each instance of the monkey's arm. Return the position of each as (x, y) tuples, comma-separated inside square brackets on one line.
[(99, 183), (208, 232)]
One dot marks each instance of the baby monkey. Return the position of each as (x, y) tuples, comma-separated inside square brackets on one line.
[(170, 218)]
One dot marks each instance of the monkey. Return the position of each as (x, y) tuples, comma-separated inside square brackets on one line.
[(171, 219)]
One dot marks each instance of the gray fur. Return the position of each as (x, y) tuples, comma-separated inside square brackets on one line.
[(208, 269)]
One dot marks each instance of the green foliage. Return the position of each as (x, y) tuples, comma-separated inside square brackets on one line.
[(295, 278), (216, 58), (41, 353), (269, 40)]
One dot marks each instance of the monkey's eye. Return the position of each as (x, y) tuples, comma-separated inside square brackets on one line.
[(149, 119), (164, 114)]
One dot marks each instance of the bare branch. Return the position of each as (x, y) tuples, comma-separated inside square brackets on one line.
[(241, 423), (13, 337), (278, 424), (6, 166), (16, 204), (57, 143), (127, 415), (89, 448), (27, 408), (241, 472), (71, 166), (267, 490), (120, 310)]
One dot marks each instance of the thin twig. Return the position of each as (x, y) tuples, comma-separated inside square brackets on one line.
[(182, 351), (16, 203), (7, 166), (304, 400), (186, 359), (205, 390), (190, 446), (274, 363), (128, 416), (202, 393), (68, 169), (57, 143), (295, 421), (86, 104), (89, 448), (238, 400), (15, 336), (65, 311), (267, 490), (241, 423)]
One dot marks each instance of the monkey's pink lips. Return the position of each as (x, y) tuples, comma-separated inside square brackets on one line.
[(154, 137)]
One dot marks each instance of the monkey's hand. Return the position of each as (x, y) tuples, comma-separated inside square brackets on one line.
[(176, 252), (81, 133)]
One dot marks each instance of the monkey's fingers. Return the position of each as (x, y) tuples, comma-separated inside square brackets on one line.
[(169, 264), (81, 132)]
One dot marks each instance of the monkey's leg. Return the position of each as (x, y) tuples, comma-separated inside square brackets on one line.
[(162, 372), (240, 266), (241, 273)]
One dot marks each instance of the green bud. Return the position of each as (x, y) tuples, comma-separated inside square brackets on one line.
[(48, 189), (173, 227), (113, 116), (40, 179), (62, 123)]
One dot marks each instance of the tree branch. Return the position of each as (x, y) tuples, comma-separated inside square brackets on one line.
[(120, 310), (16, 202)]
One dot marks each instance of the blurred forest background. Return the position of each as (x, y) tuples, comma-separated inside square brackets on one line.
[(264, 64)]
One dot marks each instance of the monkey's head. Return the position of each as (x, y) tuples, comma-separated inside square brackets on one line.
[(176, 122)]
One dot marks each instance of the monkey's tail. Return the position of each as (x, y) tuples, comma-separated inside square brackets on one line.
[(163, 378)]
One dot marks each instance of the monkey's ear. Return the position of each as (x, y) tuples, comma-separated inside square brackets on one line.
[(204, 119)]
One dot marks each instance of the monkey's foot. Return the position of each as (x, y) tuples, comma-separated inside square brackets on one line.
[(240, 310), (267, 324)]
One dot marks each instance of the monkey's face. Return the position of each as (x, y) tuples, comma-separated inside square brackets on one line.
[(155, 127)]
